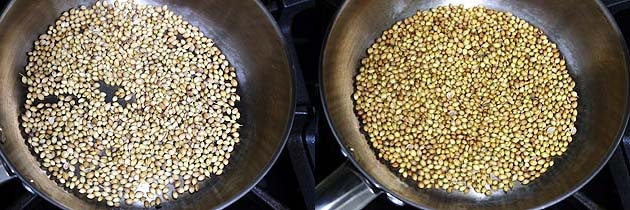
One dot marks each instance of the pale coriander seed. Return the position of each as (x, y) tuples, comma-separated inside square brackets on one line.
[(171, 108)]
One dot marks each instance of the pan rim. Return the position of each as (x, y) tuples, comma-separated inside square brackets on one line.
[(377, 184), (287, 128)]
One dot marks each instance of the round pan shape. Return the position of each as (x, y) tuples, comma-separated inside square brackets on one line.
[(597, 60), (245, 33)]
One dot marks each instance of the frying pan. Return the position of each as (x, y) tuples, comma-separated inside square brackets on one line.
[(245, 33), (597, 60)]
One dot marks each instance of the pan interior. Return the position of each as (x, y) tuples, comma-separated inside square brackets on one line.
[(244, 33), (596, 57)]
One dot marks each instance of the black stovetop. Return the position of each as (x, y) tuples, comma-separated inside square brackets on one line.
[(290, 182)]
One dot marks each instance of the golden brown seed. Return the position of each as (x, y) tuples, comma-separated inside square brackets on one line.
[(459, 98)]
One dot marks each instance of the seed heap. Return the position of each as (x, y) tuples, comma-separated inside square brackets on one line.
[(169, 123), (466, 98)]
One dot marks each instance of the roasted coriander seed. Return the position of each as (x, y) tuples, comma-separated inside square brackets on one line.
[(465, 99)]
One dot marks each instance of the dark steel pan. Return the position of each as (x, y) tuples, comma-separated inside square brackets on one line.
[(597, 60), (242, 29)]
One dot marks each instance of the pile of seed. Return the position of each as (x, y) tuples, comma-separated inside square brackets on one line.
[(129, 104), (466, 99)]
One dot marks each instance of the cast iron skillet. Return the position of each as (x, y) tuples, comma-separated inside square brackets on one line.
[(597, 59), (242, 29)]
